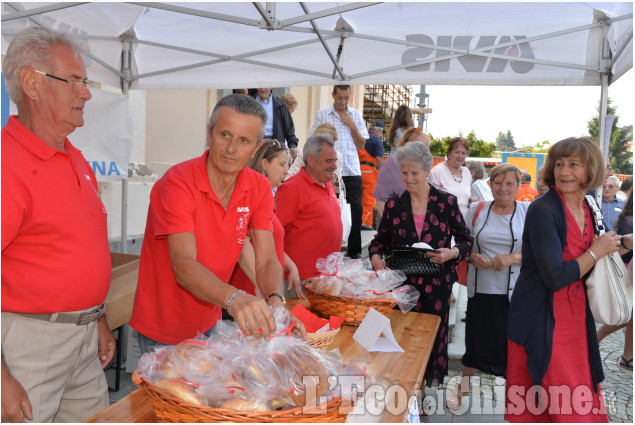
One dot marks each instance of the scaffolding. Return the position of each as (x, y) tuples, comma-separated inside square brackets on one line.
[(381, 101)]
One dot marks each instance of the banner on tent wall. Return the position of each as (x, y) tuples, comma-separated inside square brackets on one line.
[(5, 103), (106, 137)]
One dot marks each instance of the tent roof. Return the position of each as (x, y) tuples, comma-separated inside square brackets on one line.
[(234, 45)]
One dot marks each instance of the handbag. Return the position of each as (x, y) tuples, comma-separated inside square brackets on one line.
[(463, 266), (413, 262), (345, 209), (609, 288)]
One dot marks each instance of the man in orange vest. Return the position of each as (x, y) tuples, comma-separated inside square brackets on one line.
[(370, 159), (526, 193)]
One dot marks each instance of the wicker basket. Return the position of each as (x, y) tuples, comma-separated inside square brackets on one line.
[(354, 309), (322, 340), (167, 408)]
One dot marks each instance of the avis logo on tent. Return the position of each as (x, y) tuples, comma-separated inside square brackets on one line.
[(468, 62), (99, 168)]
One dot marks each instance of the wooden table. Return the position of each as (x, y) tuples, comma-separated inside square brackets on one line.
[(415, 333)]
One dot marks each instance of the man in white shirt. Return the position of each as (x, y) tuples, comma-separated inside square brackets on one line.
[(352, 135)]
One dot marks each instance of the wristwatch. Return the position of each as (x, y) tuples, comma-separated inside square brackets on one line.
[(275, 294)]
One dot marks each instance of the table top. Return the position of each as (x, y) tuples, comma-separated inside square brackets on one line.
[(398, 375)]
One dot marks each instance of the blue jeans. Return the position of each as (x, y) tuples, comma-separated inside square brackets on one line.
[(146, 343)]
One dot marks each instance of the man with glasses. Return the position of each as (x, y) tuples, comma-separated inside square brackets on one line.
[(55, 255), (611, 204)]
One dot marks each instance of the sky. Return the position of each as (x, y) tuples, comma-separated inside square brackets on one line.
[(533, 114)]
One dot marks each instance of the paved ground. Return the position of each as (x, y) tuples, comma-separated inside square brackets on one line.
[(482, 404)]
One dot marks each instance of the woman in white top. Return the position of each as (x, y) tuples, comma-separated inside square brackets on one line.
[(497, 229), (451, 176)]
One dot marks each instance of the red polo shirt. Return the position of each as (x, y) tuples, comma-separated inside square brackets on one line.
[(312, 221), (240, 280), (183, 201), (55, 254)]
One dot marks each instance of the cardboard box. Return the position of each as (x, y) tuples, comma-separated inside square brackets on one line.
[(123, 284)]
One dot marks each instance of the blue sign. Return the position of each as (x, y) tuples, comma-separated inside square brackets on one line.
[(5, 103)]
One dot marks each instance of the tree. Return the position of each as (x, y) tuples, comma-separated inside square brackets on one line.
[(478, 147), (505, 142), (540, 147), (618, 151)]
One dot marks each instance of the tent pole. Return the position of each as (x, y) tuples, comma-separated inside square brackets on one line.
[(604, 94), (124, 215)]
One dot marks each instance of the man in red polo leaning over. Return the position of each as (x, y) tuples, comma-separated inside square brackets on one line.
[(307, 207), (55, 256), (199, 214)]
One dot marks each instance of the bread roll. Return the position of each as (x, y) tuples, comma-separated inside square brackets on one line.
[(183, 357), (179, 389)]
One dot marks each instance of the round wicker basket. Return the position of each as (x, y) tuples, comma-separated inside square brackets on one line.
[(322, 340), (354, 309), (167, 408)]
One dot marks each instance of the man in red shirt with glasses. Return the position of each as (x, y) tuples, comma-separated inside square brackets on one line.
[(55, 256)]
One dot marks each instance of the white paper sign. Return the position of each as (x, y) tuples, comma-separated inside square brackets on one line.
[(369, 333)]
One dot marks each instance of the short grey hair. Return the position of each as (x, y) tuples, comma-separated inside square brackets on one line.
[(375, 128), (242, 104), (32, 48), (416, 152), (615, 179), (313, 146), (477, 168)]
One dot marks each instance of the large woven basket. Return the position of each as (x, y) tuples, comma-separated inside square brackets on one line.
[(354, 309), (167, 408)]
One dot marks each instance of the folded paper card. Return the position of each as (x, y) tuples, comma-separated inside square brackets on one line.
[(370, 331), (312, 323)]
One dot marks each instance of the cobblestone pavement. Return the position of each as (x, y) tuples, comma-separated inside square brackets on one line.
[(482, 404)]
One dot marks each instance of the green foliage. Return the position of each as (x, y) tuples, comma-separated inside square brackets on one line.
[(619, 156), (505, 142), (478, 147), (540, 147)]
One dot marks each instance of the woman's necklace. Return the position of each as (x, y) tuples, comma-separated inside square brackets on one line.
[(455, 179)]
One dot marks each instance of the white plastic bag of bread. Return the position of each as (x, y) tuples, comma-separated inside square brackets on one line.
[(347, 277), (230, 370)]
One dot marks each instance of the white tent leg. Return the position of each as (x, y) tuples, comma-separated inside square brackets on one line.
[(604, 94), (124, 214)]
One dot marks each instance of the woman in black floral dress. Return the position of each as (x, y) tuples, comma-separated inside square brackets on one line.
[(423, 213)]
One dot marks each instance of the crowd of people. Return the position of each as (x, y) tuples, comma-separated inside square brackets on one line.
[(241, 226)]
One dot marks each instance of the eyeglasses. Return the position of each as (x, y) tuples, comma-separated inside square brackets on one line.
[(76, 86), (276, 143)]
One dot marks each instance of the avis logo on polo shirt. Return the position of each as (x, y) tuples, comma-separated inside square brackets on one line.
[(243, 223)]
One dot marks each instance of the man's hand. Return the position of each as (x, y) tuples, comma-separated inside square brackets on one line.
[(15, 402), (299, 330), (294, 153), (106, 347), (347, 120), (252, 313), (294, 281)]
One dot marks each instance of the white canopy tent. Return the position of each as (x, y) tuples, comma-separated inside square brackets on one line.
[(228, 45)]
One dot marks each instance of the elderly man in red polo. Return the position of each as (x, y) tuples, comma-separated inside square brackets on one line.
[(307, 207), (55, 255)]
